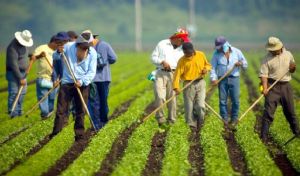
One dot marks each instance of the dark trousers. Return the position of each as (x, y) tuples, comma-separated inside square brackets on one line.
[(281, 93), (67, 92), (97, 104)]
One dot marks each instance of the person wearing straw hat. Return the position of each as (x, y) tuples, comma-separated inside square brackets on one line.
[(165, 57), (192, 66), (82, 60), (225, 58), (277, 62), (16, 65), (44, 82), (99, 89)]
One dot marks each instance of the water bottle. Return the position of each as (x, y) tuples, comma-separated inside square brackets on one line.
[(152, 75)]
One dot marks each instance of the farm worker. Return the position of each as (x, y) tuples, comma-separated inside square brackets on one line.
[(99, 89), (224, 58), (277, 62), (16, 65), (165, 57), (192, 66), (72, 36), (82, 60), (58, 64), (44, 82)]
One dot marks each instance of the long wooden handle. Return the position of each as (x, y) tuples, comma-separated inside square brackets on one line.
[(42, 99), (29, 67), (168, 100), (48, 62), (16, 100), (212, 110), (78, 90), (21, 87), (219, 80), (260, 97)]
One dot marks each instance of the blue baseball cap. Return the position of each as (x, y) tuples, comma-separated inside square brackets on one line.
[(219, 42), (62, 36)]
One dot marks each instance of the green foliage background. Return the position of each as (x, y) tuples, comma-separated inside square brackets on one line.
[(249, 21)]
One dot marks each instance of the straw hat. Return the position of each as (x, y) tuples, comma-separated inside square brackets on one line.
[(24, 38), (273, 44), (91, 35)]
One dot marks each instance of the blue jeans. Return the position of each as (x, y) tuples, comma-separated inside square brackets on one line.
[(97, 103), (230, 86), (13, 88), (47, 105)]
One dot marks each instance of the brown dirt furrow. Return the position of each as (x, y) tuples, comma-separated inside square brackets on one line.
[(155, 157), (13, 135), (119, 146), (196, 156), (235, 153), (78, 147), (121, 109), (75, 150)]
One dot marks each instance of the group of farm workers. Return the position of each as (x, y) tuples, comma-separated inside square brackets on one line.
[(80, 66), (176, 60)]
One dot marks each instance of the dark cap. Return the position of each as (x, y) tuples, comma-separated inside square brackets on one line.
[(219, 42), (63, 36), (72, 34), (187, 47)]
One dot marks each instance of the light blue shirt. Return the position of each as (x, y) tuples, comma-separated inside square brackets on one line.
[(220, 64), (84, 71)]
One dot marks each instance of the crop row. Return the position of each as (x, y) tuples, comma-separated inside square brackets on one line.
[(89, 161)]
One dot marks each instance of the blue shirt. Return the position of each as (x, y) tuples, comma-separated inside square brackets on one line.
[(84, 71), (109, 57), (220, 64)]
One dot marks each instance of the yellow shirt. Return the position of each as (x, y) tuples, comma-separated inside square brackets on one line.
[(190, 68), (44, 70)]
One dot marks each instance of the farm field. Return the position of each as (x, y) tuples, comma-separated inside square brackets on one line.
[(129, 146)]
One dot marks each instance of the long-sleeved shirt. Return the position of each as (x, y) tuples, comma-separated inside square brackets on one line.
[(275, 66), (190, 68), (44, 69), (220, 64), (164, 51), (84, 71), (109, 56), (17, 59), (58, 65)]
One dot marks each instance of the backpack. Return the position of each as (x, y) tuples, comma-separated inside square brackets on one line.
[(101, 62)]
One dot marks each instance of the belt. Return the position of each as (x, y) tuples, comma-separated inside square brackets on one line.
[(194, 80), (270, 80), (172, 70), (231, 76)]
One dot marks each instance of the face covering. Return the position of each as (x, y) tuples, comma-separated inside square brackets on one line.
[(226, 47)]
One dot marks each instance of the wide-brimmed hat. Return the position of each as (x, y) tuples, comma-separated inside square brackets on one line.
[(82, 41), (90, 34), (273, 44), (62, 36), (219, 42), (181, 33), (24, 38)]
